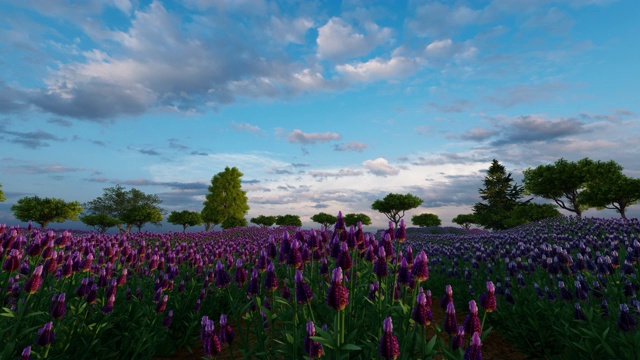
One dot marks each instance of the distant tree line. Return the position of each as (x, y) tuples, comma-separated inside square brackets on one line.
[(573, 186)]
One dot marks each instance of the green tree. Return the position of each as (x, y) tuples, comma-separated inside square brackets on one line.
[(100, 222), (609, 188), (500, 198), (464, 220), (263, 220), (324, 219), (233, 222), (352, 219), (225, 198), (139, 215), (2, 197), (393, 206), (45, 210), (561, 182), (530, 212), (118, 203), (185, 218), (288, 220), (426, 219)]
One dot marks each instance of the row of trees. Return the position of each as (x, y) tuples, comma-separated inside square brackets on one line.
[(573, 186)]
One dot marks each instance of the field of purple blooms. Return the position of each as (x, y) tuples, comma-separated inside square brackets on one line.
[(563, 289)]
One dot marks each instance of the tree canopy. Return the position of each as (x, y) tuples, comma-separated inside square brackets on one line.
[(529, 212), (233, 222), (130, 207), (225, 199), (609, 188), (352, 219), (264, 220), (45, 210), (185, 218), (500, 197), (561, 182), (464, 220), (288, 220), (393, 206), (100, 222), (426, 219), (2, 197), (324, 219)]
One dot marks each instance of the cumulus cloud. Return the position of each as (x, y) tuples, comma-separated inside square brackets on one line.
[(380, 69), (320, 175), (525, 129), (29, 139), (246, 127), (338, 40), (380, 167), (478, 134), (525, 93), (299, 137)]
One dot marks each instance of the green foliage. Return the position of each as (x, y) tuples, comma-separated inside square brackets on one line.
[(393, 206), (119, 203), (264, 220), (2, 197), (527, 213), (185, 218), (426, 219), (100, 222), (561, 182), (352, 219), (324, 219), (46, 210), (500, 197), (288, 220), (233, 222), (139, 215), (609, 188), (464, 220), (225, 198)]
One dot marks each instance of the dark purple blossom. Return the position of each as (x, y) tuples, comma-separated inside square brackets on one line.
[(389, 347)]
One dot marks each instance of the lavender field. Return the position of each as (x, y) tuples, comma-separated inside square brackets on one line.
[(559, 289)]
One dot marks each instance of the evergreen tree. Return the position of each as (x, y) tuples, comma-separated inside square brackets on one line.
[(500, 197)]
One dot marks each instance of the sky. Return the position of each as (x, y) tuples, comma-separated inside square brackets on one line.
[(324, 106)]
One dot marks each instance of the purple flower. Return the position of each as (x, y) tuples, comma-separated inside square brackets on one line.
[(33, 283), (421, 312), (472, 322), (626, 321), (222, 277), (340, 225), (303, 291), (380, 266), (488, 299), (403, 274), (108, 307), (474, 351), (344, 258), (92, 295), (26, 353), (450, 322), (447, 297), (270, 279), (162, 305), (420, 269), (211, 345), (579, 313), (226, 332), (313, 348), (45, 335), (401, 232), (458, 340), (337, 294), (58, 307), (389, 348), (254, 284), (166, 322), (12, 262)]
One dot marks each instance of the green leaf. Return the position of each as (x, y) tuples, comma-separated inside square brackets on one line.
[(289, 338), (350, 347), (8, 312), (431, 344)]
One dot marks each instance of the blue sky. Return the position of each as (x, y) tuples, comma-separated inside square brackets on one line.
[(323, 105)]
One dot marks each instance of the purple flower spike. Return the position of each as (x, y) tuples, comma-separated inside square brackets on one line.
[(450, 323), (389, 348), (313, 348), (421, 313), (222, 277), (33, 283), (303, 292), (626, 321), (420, 269), (337, 294), (474, 351), (226, 332), (472, 322), (458, 339), (45, 334), (26, 353), (166, 322), (488, 299), (270, 279), (58, 306)]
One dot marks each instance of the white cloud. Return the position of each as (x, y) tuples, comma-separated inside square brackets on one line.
[(380, 69), (246, 127), (338, 40), (380, 167)]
